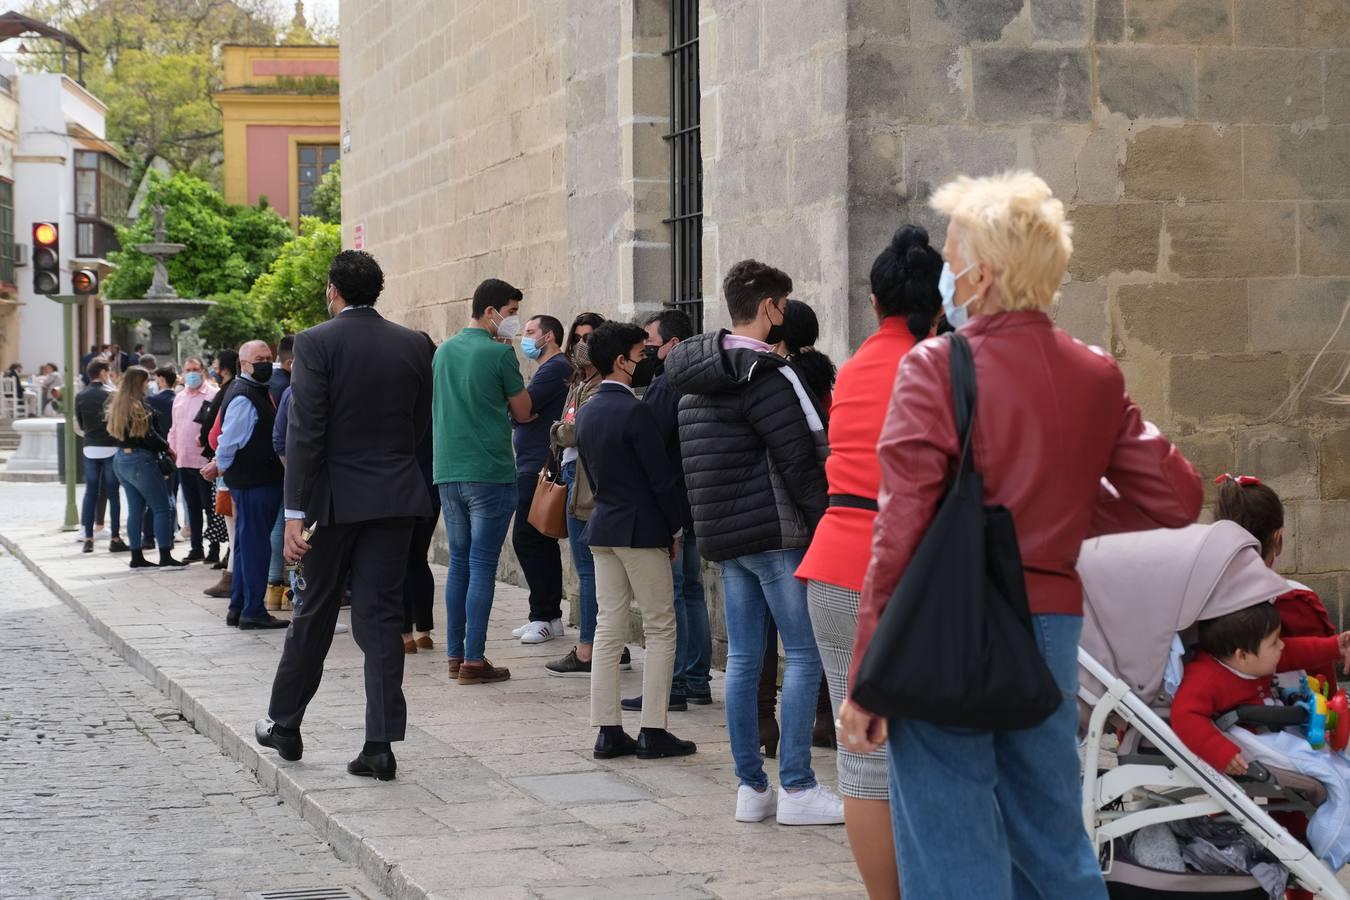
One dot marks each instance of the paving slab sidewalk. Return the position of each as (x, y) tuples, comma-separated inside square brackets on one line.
[(497, 794)]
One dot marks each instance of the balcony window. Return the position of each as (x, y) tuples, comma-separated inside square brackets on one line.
[(6, 232), (101, 200), (315, 160)]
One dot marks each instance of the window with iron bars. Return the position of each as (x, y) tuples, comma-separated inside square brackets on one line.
[(686, 164)]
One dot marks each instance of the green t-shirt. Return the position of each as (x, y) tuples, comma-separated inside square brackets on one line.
[(473, 376)]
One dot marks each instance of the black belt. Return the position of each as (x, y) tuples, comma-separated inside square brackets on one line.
[(853, 501)]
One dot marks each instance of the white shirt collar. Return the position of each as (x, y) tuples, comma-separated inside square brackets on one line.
[(626, 387), (1243, 675)]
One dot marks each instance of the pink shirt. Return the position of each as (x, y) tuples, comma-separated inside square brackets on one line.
[(184, 432), (740, 342)]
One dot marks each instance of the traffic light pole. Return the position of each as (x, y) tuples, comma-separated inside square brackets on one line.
[(71, 303)]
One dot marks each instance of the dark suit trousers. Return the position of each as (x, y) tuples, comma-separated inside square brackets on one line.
[(374, 555), (419, 587), (539, 555)]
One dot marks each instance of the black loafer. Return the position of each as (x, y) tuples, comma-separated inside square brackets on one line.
[(699, 699), (612, 748), (232, 619), (287, 747), (380, 766), (677, 704), (267, 621), (654, 743)]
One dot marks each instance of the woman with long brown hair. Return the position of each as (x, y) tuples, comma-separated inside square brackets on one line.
[(131, 423)]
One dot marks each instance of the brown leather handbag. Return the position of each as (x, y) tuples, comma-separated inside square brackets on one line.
[(548, 509)]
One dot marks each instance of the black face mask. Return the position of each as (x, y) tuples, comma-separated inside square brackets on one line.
[(644, 372), (262, 372), (775, 335), (652, 352)]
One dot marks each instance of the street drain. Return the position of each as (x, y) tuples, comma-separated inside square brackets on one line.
[(309, 893)]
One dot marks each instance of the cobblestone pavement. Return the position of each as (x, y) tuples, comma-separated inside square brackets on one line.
[(497, 796), (106, 792)]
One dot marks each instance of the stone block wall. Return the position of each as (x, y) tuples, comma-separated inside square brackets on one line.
[(1202, 147)]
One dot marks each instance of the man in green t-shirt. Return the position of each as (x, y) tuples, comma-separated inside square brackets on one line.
[(477, 390)]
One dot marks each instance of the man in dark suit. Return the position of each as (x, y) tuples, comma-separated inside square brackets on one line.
[(634, 533), (360, 404)]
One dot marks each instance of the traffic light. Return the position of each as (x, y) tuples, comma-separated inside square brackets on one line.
[(84, 282), (46, 258)]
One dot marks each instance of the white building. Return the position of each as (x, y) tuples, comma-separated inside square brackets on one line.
[(67, 173)]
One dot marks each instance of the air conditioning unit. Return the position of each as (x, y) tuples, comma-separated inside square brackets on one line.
[(20, 254)]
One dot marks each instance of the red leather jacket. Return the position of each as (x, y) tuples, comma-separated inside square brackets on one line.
[(1052, 421)]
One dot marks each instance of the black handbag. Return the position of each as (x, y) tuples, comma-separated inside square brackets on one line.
[(166, 464), (954, 646)]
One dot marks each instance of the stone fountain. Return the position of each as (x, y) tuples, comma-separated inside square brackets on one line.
[(161, 306)]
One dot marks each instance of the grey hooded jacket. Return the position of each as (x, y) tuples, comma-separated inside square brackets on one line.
[(753, 447)]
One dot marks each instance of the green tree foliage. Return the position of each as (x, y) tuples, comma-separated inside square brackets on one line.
[(327, 197), (227, 246), (292, 290), (234, 319), (153, 62)]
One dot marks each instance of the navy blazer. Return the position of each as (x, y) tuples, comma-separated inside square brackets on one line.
[(624, 452)]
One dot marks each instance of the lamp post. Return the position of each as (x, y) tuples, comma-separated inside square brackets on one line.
[(70, 302)]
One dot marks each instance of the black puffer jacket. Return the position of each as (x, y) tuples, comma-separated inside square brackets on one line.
[(753, 448)]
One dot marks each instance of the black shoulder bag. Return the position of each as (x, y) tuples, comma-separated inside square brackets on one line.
[(954, 646)]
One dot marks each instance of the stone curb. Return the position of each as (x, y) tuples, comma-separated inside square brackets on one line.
[(346, 843)]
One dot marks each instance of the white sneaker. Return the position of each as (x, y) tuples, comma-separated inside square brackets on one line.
[(517, 632), (537, 633), (753, 805), (339, 628), (816, 806)]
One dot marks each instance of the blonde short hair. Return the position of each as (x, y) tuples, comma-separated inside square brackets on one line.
[(1013, 223)]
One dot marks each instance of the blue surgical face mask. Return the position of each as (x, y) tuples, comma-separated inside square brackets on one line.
[(194, 380), (530, 347), (956, 315)]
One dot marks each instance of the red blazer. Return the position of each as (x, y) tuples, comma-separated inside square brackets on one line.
[(1208, 688), (842, 545), (1052, 420)]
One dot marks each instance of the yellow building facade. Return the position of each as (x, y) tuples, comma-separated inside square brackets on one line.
[(281, 122)]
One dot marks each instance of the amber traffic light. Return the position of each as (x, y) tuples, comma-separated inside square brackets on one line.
[(84, 282), (46, 259)]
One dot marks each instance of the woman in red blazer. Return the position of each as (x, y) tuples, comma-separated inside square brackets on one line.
[(994, 814), (906, 302)]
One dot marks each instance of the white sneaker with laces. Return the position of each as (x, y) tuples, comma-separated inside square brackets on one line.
[(815, 806), (537, 633), (517, 632), (753, 805)]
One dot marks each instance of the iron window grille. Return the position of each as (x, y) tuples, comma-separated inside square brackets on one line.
[(686, 164)]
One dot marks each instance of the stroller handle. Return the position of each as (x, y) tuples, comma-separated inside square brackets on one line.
[(1262, 717)]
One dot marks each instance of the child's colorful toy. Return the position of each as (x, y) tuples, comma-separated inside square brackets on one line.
[(1328, 716), (1339, 706)]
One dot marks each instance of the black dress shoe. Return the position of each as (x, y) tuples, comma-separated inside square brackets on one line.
[(232, 619), (607, 747), (267, 621), (380, 766), (678, 703), (699, 699), (287, 747), (657, 743)]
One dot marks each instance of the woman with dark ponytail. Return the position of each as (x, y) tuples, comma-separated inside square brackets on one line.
[(907, 304)]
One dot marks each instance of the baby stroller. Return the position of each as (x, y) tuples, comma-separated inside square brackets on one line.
[(1140, 590)]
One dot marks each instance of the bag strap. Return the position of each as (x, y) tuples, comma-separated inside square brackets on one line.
[(963, 397)]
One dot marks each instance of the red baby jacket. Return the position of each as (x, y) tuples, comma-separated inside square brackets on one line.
[(1209, 688)]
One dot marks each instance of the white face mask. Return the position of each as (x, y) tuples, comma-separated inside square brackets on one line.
[(956, 315), (507, 327)]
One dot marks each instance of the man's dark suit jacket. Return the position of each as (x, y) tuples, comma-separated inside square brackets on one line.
[(360, 404), (624, 452)]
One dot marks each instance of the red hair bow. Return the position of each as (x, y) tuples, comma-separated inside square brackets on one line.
[(1242, 480)]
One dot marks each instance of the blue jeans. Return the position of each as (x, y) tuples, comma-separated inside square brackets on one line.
[(277, 567), (255, 512), (754, 587), (477, 517), (140, 477), (583, 562), (693, 638), (1006, 800), (96, 470)]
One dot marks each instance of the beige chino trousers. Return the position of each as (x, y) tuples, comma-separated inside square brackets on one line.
[(623, 574)]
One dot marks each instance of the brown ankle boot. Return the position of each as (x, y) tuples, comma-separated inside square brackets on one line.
[(482, 672), (221, 588), (275, 596)]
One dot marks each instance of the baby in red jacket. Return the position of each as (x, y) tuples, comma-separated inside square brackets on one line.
[(1239, 656)]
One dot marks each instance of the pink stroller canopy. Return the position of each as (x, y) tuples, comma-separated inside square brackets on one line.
[(1140, 589)]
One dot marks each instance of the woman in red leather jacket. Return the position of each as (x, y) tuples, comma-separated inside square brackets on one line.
[(1060, 443)]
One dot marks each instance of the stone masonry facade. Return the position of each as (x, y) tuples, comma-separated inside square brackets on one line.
[(1202, 146)]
